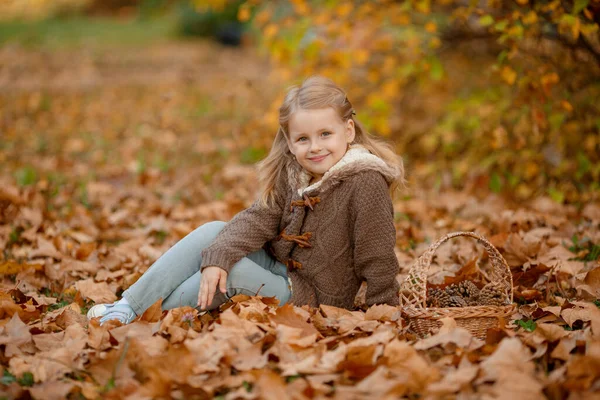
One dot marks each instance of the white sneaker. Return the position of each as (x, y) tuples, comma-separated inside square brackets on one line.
[(121, 312)]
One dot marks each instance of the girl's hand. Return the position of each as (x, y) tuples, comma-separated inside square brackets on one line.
[(211, 277)]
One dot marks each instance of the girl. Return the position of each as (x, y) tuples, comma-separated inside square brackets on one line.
[(322, 225)]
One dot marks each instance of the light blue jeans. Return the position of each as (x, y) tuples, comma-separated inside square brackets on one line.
[(175, 276)]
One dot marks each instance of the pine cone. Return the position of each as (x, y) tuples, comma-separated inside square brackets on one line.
[(438, 298), (457, 301), (464, 289), (491, 296)]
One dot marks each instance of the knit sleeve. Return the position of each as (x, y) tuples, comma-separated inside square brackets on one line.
[(375, 238), (247, 232)]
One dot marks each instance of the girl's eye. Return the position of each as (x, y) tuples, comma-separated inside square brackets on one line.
[(326, 133), (302, 139)]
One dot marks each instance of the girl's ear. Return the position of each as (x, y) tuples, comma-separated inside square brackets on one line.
[(350, 130)]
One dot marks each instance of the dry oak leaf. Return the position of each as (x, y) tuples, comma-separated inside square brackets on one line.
[(11, 267), (45, 248), (245, 329), (563, 349), (450, 333), (287, 316), (455, 379), (64, 317), (382, 312), (56, 390), (154, 312), (592, 280), (515, 250), (342, 320), (26, 311), (81, 267), (551, 332), (13, 335), (102, 367), (270, 385), (99, 292), (585, 312), (48, 341), (10, 192), (98, 336), (403, 360), (208, 350), (592, 212), (249, 356), (138, 330), (559, 256), (583, 370), (54, 364), (381, 383), (512, 372)]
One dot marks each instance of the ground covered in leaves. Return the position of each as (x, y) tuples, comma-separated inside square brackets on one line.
[(109, 157)]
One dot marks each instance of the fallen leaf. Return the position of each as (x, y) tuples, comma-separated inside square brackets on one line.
[(153, 313), (511, 370), (11, 267), (99, 292), (138, 330), (455, 379), (14, 335), (592, 279), (450, 333), (382, 312), (287, 316), (56, 390), (403, 360)]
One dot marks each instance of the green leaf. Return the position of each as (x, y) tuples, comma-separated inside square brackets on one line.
[(252, 155), (568, 19), (437, 70), (556, 195), (7, 378), (292, 378), (585, 165), (26, 379), (109, 385), (579, 6), (486, 20), (247, 385), (495, 183), (500, 26), (556, 120), (502, 56), (529, 326), (26, 176)]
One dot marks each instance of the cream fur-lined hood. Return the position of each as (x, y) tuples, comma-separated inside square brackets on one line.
[(356, 159)]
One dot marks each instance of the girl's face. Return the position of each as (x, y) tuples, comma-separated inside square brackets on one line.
[(319, 139)]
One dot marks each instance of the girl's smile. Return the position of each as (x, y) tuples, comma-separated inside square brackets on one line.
[(318, 159), (319, 138)]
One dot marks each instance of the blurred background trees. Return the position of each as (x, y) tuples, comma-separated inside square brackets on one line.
[(496, 93), (481, 95)]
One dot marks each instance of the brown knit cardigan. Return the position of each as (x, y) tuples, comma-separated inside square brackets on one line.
[(332, 235)]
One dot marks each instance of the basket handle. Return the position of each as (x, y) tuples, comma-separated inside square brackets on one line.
[(414, 288)]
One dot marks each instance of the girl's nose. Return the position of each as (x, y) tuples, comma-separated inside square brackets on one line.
[(315, 146)]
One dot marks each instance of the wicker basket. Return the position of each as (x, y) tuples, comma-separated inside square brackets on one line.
[(476, 319)]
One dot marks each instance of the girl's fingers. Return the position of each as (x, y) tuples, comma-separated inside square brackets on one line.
[(208, 286), (204, 292), (223, 282), (200, 292), (211, 292)]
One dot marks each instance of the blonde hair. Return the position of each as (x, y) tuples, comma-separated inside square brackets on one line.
[(318, 92)]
